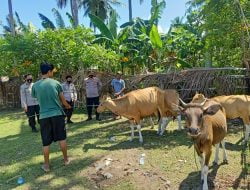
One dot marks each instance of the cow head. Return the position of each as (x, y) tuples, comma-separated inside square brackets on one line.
[(102, 107), (198, 98), (194, 114)]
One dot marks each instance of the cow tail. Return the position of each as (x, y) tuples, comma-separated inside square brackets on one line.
[(159, 116)]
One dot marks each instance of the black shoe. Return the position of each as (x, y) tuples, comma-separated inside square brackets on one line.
[(88, 119), (70, 121), (98, 119)]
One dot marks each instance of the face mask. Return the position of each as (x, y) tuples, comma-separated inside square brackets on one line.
[(69, 81), (29, 80)]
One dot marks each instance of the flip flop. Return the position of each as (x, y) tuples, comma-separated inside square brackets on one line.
[(44, 168)]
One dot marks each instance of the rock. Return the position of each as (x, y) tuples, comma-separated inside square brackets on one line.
[(99, 167), (107, 175), (129, 172), (108, 161)]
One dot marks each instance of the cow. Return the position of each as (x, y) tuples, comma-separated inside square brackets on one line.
[(235, 106), (171, 115), (141, 103), (206, 125)]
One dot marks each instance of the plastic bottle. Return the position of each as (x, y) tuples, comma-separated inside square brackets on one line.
[(142, 159), (20, 180)]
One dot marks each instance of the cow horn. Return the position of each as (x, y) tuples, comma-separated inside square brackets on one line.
[(182, 102), (203, 103)]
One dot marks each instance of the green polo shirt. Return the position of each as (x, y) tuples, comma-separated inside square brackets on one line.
[(47, 91)]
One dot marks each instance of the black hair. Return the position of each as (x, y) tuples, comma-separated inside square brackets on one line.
[(68, 76), (45, 67)]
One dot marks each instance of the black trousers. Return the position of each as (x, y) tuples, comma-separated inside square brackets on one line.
[(90, 103), (69, 112), (32, 113)]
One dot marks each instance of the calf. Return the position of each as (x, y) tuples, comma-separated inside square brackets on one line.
[(206, 125)]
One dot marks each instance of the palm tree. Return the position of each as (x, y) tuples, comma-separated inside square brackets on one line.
[(100, 8), (130, 9), (48, 24), (11, 18), (74, 5)]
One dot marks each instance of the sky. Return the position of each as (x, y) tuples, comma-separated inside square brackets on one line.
[(28, 11)]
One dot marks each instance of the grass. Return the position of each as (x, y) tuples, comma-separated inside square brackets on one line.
[(171, 157)]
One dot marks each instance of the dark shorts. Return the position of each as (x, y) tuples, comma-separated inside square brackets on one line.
[(52, 129)]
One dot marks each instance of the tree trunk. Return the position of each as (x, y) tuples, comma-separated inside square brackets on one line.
[(130, 10), (12, 26), (74, 12)]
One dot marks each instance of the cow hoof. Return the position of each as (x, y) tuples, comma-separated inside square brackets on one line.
[(225, 162)]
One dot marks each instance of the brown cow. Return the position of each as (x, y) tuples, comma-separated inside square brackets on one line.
[(235, 106), (207, 126), (141, 103)]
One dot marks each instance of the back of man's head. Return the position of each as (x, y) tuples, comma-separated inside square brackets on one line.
[(45, 67)]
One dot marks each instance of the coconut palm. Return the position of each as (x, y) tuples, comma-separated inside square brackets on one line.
[(19, 26), (130, 9), (48, 24), (11, 18), (100, 8), (74, 5)]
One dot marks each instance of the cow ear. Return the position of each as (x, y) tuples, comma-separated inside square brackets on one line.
[(211, 110)]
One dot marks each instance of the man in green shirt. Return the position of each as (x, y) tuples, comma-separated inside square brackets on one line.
[(49, 95)]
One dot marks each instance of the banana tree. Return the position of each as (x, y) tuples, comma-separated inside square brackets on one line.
[(110, 36), (49, 24)]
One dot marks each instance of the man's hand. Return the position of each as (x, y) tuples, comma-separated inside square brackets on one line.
[(64, 102), (67, 106), (25, 109)]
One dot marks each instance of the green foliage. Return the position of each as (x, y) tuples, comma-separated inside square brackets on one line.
[(68, 49), (155, 37), (101, 26)]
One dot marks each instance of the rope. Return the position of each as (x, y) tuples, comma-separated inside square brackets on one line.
[(195, 159)]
